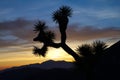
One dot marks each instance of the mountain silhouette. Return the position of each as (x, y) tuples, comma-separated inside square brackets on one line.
[(49, 70), (50, 64)]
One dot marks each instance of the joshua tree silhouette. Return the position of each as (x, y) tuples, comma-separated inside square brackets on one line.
[(89, 53), (47, 37)]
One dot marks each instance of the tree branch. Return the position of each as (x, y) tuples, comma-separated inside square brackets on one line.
[(66, 48), (71, 52)]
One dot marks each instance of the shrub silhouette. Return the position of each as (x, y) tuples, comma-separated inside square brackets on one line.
[(89, 53), (85, 50), (90, 56), (99, 47)]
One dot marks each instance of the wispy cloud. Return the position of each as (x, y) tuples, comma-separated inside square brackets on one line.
[(5, 11), (98, 13), (16, 32)]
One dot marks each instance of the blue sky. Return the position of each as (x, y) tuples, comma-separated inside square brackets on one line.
[(86, 12)]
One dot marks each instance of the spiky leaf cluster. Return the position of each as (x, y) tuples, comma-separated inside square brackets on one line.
[(40, 26), (44, 35), (99, 47), (40, 52), (49, 36), (66, 11), (96, 48), (85, 50), (62, 12)]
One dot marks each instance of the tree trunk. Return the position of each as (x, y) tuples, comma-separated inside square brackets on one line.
[(70, 52)]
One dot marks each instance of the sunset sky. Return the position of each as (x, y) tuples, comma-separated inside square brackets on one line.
[(91, 20)]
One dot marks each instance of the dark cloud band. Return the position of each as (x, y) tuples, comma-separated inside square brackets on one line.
[(20, 31)]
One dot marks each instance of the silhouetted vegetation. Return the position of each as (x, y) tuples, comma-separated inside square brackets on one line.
[(90, 56), (61, 17), (47, 37), (87, 56)]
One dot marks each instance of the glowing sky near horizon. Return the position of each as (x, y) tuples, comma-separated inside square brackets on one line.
[(91, 20)]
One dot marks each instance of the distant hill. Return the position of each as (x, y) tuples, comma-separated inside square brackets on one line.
[(50, 64), (53, 64), (49, 70)]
